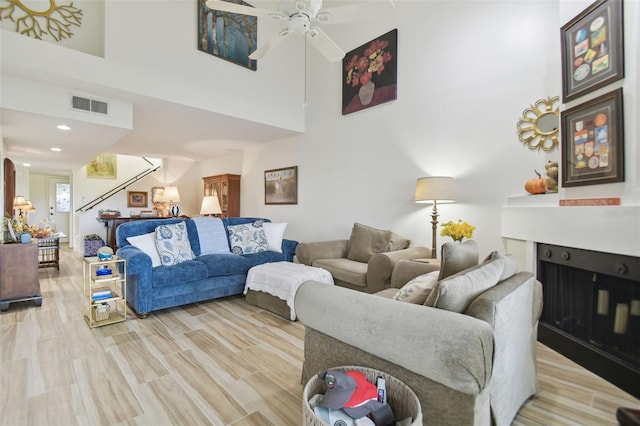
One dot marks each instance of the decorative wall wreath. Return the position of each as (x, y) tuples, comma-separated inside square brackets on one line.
[(55, 22)]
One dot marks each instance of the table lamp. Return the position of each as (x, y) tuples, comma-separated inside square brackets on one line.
[(172, 196), (434, 190), (210, 205)]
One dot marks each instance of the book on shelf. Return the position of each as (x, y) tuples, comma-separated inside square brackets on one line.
[(98, 295)]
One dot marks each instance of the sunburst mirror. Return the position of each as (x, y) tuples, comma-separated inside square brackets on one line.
[(538, 126)]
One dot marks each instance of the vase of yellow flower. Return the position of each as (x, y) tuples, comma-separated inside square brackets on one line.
[(457, 230)]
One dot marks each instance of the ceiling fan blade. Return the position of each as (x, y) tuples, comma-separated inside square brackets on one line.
[(364, 11), (273, 42), (321, 41), (225, 6)]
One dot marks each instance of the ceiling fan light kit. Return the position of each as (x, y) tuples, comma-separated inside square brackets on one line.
[(304, 18)]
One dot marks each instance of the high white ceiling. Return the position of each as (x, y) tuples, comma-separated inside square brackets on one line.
[(160, 130)]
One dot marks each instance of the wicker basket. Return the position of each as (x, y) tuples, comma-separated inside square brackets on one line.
[(402, 400), (100, 312)]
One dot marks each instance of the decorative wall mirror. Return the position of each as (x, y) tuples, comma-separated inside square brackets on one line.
[(538, 126)]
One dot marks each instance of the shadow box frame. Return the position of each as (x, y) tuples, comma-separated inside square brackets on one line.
[(594, 39), (593, 141)]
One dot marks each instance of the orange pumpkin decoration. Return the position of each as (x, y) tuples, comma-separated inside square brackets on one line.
[(536, 186)]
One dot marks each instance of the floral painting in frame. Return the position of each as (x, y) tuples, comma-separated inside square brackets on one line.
[(370, 74), (104, 166), (230, 36)]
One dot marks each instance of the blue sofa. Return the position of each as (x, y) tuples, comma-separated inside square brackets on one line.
[(204, 278)]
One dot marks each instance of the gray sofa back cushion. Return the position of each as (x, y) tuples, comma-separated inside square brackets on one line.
[(366, 241), (456, 257)]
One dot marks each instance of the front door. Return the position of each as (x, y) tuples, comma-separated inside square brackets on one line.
[(59, 204)]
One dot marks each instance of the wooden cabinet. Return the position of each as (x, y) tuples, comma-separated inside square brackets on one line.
[(227, 187), (19, 274)]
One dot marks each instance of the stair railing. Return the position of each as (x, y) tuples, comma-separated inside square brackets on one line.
[(91, 204)]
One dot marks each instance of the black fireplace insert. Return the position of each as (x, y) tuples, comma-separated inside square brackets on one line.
[(591, 311)]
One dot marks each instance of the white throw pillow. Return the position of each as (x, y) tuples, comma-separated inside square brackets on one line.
[(274, 233), (172, 242), (417, 290), (247, 238), (147, 243)]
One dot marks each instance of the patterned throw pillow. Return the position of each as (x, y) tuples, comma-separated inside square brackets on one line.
[(172, 242), (417, 290), (247, 238)]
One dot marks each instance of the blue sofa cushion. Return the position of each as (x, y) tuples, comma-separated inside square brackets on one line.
[(183, 272), (225, 264), (264, 257)]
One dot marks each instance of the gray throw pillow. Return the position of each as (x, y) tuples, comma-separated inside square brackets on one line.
[(366, 241), (456, 257), (398, 242), (510, 264), (456, 292)]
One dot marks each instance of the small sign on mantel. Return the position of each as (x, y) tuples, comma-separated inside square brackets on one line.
[(581, 202)]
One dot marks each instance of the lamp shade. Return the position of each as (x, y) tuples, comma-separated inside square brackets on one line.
[(19, 202), (210, 205), (435, 188), (171, 194)]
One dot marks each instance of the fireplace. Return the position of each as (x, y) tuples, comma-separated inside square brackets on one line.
[(591, 311)]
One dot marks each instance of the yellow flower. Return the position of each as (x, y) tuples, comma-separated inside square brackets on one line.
[(457, 230)]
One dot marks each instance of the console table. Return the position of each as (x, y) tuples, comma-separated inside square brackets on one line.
[(111, 223), (19, 274)]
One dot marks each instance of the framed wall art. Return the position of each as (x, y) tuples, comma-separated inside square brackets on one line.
[(104, 166), (370, 74), (281, 186), (230, 36), (592, 49), (136, 199), (593, 141)]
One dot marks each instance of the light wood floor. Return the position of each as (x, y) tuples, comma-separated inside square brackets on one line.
[(223, 363)]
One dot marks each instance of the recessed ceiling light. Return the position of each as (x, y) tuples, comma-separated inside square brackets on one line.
[(26, 164), (54, 149), (63, 127)]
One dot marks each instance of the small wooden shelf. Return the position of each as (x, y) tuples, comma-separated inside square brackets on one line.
[(114, 307)]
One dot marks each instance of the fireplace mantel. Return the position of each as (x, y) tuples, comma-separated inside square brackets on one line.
[(540, 219)]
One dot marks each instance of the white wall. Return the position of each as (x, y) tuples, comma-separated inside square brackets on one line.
[(466, 71)]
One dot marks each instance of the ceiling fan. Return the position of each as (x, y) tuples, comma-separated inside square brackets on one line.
[(304, 17)]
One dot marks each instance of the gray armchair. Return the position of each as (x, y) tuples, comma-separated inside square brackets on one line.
[(470, 357), (365, 261)]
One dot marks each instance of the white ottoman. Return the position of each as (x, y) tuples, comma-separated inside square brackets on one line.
[(273, 286)]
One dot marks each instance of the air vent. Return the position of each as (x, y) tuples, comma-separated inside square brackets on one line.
[(90, 105), (81, 103), (99, 107)]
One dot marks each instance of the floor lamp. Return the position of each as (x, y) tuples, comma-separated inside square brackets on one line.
[(434, 190)]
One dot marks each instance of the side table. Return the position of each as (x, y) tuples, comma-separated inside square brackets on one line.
[(49, 252), (407, 269)]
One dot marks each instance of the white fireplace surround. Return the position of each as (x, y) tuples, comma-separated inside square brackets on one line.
[(539, 219)]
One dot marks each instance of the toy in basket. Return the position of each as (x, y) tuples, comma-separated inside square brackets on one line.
[(359, 396)]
